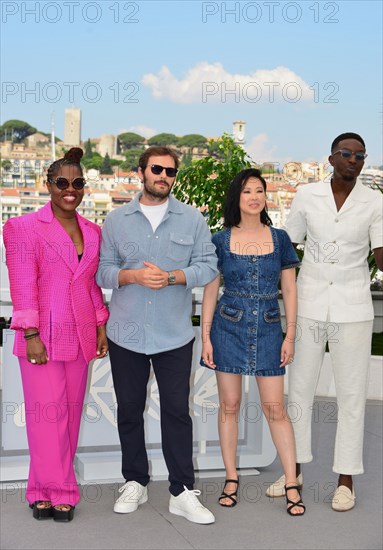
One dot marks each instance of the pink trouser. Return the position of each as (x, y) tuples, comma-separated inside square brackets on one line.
[(54, 398)]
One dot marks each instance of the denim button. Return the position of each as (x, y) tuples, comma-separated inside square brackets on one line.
[(253, 259), (253, 346), (254, 312)]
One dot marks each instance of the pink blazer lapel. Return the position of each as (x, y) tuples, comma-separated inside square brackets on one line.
[(91, 245), (58, 244)]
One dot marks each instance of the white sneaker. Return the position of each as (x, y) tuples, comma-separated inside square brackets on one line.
[(188, 506), (277, 489), (133, 494)]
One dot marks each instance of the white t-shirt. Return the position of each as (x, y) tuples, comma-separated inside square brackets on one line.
[(155, 214)]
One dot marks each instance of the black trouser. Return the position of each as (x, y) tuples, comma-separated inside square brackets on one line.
[(130, 371)]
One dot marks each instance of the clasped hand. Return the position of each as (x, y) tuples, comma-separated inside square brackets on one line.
[(152, 276)]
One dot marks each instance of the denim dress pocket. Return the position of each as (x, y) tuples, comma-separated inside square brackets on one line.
[(272, 316), (231, 313)]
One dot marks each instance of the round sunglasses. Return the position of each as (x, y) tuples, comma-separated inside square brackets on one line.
[(63, 183)]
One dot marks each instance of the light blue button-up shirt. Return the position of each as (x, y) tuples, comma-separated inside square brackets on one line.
[(141, 319)]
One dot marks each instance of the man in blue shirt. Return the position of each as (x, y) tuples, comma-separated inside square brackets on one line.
[(154, 251)]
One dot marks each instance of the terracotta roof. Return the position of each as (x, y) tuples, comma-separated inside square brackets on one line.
[(9, 192), (119, 194), (289, 188), (126, 174), (131, 187), (271, 186)]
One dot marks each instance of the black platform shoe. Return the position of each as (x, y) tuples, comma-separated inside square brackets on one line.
[(63, 515), (42, 512)]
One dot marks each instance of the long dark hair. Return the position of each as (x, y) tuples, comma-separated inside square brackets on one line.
[(71, 158), (232, 213)]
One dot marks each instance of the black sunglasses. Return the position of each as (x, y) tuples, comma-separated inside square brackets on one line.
[(63, 183), (157, 169), (347, 154)]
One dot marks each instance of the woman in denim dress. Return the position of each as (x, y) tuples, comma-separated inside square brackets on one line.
[(242, 334)]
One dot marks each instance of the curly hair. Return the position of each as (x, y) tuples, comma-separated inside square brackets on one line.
[(71, 158)]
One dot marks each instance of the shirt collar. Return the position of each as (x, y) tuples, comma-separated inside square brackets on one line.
[(358, 194), (174, 205)]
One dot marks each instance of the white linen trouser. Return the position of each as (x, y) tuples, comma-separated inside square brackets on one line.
[(350, 350)]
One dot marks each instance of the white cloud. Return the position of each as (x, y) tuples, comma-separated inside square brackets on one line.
[(210, 82), (260, 150), (145, 131)]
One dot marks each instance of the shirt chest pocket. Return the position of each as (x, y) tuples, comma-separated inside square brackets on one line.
[(180, 247)]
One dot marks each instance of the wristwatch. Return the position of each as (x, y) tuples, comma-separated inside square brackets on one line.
[(171, 278)]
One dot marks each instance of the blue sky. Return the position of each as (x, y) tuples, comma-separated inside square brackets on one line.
[(168, 66)]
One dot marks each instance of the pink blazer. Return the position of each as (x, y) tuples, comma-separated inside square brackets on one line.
[(50, 288)]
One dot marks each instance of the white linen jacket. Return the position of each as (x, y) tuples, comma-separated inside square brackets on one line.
[(333, 282)]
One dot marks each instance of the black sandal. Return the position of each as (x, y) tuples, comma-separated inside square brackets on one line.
[(63, 515), (232, 496), (294, 504), (45, 512)]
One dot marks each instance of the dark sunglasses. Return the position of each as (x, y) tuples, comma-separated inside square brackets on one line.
[(157, 170), (347, 154), (63, 183)]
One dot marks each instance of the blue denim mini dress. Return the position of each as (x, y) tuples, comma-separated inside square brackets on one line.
[(246, 332)]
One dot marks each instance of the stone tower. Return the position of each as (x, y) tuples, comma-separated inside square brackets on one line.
[(239, 131), (72, 129)]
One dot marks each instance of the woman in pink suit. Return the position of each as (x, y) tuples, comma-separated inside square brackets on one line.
[(59, 318)]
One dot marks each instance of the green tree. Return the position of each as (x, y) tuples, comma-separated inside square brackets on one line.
[(213, 148), (115, 162), (131, 159), (106, 167), (88, 150), (164, 140), (130, 140), (93, 163), (205, 181), (192, 140), (373, 266), (187, 159), (17, 130), (6, 165)]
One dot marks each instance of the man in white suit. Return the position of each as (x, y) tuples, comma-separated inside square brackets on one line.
[(339, 221)]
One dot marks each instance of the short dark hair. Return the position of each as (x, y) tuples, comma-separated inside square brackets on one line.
[(71, 158), (347, 135), (232, 213), (157, 151)]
